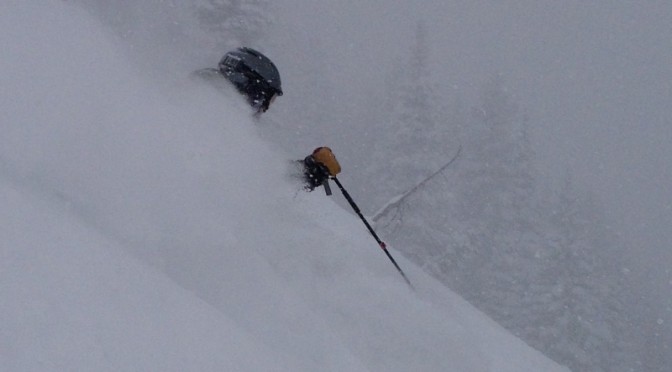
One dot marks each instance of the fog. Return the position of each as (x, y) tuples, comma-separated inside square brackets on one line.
[(593, 78), (148, 227), (596, 77)]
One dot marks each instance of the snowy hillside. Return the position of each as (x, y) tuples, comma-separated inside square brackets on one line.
[(150, 228)]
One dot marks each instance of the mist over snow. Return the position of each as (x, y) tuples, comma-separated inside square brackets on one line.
[(149, 227)]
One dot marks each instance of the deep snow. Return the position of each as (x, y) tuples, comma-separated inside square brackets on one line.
[(149, 227)]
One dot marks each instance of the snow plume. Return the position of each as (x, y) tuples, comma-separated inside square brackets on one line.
[(146, 228)]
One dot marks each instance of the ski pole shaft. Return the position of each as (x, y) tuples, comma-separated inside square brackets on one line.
[(396, 265), (382, 245)]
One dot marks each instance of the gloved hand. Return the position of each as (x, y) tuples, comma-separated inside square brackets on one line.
[(315, 173), (318, 167)]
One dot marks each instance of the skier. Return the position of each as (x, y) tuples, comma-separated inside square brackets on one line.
[(251, 73), (318, 167)]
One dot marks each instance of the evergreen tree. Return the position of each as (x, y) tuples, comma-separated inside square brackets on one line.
[(498, 160), (493, 199), (581, 315), (414, 139), (555, 281)]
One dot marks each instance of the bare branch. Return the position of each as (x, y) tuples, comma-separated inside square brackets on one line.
[(397, 200)]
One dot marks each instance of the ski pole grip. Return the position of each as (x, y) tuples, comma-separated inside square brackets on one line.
[(327, 189)]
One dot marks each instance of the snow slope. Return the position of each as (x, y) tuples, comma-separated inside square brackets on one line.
[(146, 227)]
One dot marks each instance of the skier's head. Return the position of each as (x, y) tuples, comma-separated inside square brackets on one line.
[(254, 75)]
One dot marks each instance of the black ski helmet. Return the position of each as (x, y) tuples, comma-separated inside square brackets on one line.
[(253, 74)]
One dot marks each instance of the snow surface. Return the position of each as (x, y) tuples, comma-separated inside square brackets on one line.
[(150, 228)]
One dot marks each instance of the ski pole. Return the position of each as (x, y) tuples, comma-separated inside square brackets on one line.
[(368, 226)]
